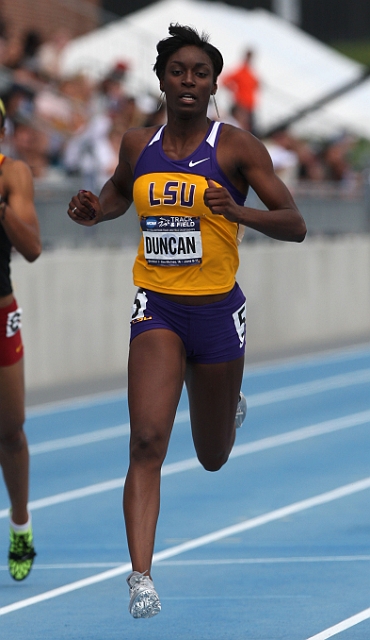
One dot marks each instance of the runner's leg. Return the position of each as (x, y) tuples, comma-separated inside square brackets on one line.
[(213, 391), (156, 372), (14, 457)]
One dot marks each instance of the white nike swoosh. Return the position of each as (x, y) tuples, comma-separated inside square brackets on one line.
[(192, 164)]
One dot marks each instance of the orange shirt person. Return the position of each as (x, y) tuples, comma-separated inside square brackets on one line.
[(244, 85)]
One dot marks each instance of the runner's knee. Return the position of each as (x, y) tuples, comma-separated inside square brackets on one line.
[(213, 462), (13, 440), (148, 445)]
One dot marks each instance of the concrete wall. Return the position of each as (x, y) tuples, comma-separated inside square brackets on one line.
[(77, 303)]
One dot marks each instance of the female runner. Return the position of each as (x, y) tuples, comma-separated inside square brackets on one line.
[(19, 228), (189, 180)]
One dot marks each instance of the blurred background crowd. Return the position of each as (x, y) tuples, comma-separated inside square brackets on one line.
[(67, 125), (72, 126), (57, 124)]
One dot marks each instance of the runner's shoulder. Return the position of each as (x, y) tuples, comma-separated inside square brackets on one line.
[(139, 135), (134, 141), (242, 144)]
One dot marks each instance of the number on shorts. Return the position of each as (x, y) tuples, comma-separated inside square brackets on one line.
[(139, 305), (13, 323), (239, 317)]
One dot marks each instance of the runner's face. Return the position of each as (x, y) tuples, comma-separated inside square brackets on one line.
[(188, 81)]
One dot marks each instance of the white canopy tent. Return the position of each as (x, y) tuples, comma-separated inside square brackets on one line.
[(294, 68)]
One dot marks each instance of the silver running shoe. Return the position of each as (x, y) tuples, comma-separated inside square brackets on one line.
[(144, 600), (241, 411)]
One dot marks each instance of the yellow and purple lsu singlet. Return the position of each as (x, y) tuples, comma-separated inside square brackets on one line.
[(184, 249)]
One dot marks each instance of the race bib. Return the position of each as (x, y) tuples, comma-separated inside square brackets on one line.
[(172, 241), (13, 322)]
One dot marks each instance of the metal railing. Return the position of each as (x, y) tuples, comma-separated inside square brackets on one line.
[(328, 209)]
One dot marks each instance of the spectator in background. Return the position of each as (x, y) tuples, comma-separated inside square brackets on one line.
[(335, 155), (32, 42), (50, 53), (284, 147), (18, 101), (31, 145), (3, 41), (109, 112), (285, 162), (106, 152), (157, 116), (244, 84), (90, 152), (64, 105), (26, 139), (239, 117), (111, 93), (19, 52)]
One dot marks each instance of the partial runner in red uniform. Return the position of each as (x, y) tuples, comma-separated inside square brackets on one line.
[(19, 228)]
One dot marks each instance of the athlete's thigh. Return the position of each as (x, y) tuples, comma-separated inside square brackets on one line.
[(156, 371), (11, 397), (213, 391)]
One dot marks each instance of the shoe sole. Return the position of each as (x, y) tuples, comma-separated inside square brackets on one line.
[(241, 412), (146, 604)]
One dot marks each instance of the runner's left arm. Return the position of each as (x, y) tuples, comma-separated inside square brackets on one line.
[(18, 215)]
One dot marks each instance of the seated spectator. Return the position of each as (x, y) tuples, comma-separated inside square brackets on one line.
[(335, 157), (31, 146), (106, 153), (110, 92), (3, 41), (31, 43), (50, 54), (309, 164), (285, 162)]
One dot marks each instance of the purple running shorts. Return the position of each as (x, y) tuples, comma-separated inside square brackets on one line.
[(210, 333)]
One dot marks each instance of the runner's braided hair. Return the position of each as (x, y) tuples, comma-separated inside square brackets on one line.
[(183, 36)]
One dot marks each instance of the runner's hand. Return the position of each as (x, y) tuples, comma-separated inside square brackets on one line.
[(220, 202), (85, 209)]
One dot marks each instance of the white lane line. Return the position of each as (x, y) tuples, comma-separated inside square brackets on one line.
[(309, 361), (342, 626), (60, 406), (213, 562), (288, 560), (309, 388), (70, 565), (271, 516), (100, 487), (59, 591), (323, 384), (75, 494), (80, 439), (91, 436), (304, 433), (256, 400), (328, 426)]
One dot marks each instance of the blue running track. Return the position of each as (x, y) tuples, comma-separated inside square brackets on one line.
[(275, 546)]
